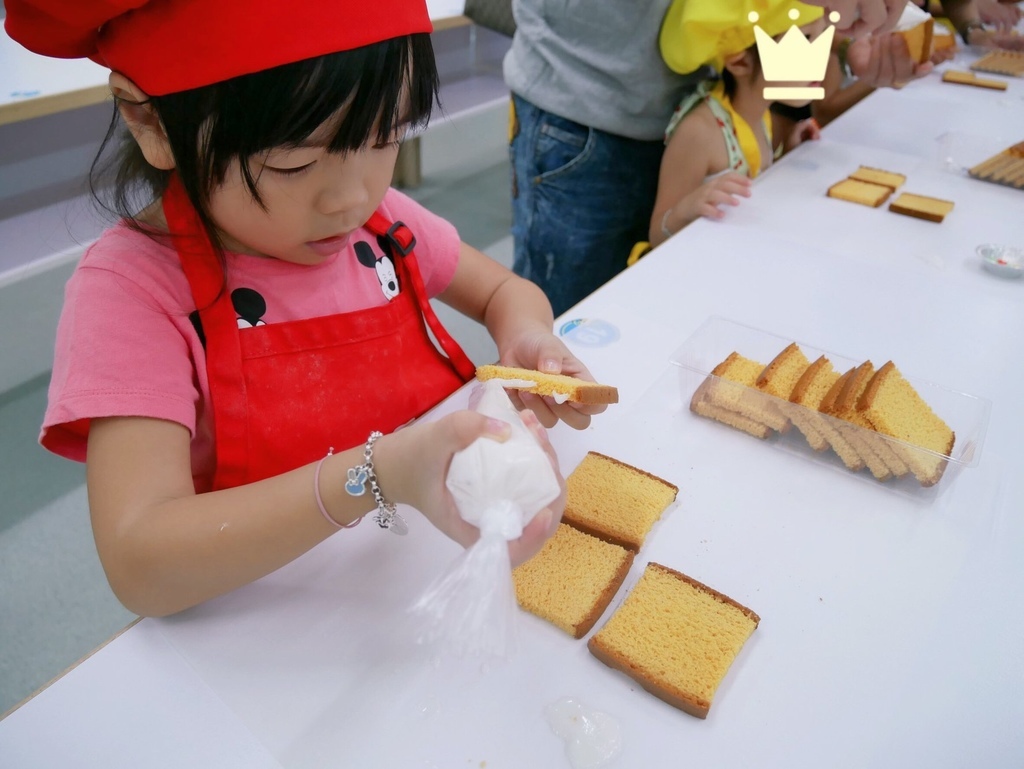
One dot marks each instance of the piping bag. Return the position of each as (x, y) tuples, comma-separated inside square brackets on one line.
[(471, 608)]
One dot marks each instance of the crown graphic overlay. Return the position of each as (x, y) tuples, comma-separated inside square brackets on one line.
[(794, 59)]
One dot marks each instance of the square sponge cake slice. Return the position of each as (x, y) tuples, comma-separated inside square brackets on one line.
[(877, 176), (557, 386), (614, 501), (856, 191), (676, 637), (571, 581), (921, 207)]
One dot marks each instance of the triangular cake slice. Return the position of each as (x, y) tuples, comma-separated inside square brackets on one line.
[(808, 394), (852, 436), (731, 386), (778, 379), (847, 405), (701, 405), (892, 405)]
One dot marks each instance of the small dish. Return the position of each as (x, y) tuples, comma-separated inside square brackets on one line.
[(1005, 261)]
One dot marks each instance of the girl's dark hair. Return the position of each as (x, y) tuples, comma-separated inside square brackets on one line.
[(730, 80), (210, 126)]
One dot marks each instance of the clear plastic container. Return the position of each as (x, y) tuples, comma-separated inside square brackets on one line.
[(840, 444)]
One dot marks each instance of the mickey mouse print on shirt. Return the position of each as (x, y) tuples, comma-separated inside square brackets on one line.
[(384, 265), (251, 307)]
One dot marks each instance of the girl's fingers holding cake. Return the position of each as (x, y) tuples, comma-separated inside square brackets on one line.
[(539, 405), (572, 413)]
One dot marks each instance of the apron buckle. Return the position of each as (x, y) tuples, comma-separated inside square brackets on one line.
[(401, 238)]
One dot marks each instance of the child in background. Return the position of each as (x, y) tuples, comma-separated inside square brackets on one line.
[(264, 299), (720, 137)]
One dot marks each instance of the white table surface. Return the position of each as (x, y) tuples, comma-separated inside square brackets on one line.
[(891, 629)]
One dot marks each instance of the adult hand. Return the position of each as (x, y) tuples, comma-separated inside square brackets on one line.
[(883, 61), (543, 351), (860, 17), (412, 466), (1002, 16)]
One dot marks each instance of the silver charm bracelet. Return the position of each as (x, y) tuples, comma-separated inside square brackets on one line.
[(387, 516)]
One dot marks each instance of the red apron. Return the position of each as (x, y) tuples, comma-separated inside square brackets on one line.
[(283, 393)]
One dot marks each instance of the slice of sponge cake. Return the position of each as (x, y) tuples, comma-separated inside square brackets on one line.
[(895, 408), (778, 380), (833, 407), (919, 40), (877, 176), (856, 191), (554, 385), (571, 581), (829, 407), (847, 409), (780, 376), (614, 501), (731, 386), (809, 393), (676, 637), (700, 404), (921, 207)]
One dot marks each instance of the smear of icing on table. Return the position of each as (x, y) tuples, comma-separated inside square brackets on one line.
[(592, 738)]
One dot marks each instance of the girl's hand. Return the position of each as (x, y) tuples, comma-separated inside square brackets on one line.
[(708, 199), (543, 351), (805, 130), (412, 465)]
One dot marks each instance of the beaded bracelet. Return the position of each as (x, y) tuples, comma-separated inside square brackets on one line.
[(387, 516), (320, 501)]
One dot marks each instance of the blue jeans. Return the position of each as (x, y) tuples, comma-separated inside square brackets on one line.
[(581, 199)]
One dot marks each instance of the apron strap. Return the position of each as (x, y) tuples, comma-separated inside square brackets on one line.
[(202, 266), (403, 241), (748, 142)]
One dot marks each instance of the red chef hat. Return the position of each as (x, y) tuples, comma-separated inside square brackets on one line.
[(173, 45)]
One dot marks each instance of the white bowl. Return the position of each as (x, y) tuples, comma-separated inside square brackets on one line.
[(1005, 261)]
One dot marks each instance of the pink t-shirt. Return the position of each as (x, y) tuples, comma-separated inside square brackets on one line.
[(127, 346)]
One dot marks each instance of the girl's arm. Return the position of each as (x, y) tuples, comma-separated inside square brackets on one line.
[(837, 98), (694, 151), (165, 548), (518, 316)]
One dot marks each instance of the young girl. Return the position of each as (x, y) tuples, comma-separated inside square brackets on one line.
[(231, 351), (721, 136)]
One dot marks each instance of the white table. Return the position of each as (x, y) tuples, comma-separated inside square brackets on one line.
[(891, 630)]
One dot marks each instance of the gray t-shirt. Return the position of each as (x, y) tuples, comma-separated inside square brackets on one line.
[(596, 62)]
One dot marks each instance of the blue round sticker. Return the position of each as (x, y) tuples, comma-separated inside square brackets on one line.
[(589, 333)]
